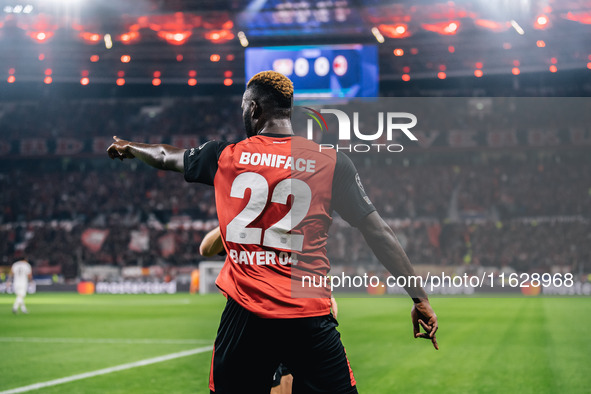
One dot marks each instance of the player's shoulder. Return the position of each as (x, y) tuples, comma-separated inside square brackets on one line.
[(210, 151), (21, 263), (301, 144)]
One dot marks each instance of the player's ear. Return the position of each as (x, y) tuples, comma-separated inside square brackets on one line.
[(256, 109)]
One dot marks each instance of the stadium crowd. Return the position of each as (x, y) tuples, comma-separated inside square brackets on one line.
[(499, 191)]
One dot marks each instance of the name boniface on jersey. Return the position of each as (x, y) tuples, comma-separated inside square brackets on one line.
[(262, 257), (277, 161)]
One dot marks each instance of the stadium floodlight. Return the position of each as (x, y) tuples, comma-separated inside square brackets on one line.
[(517, 28), (242, 38), (108, 41), (18, 8), (379, 37)]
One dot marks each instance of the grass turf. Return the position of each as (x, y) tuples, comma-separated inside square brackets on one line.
[(488, 345)]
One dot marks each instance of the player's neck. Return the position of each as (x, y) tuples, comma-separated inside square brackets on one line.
[(277, 126)]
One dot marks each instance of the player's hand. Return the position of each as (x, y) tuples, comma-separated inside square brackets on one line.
[(120, 149), (422, 315)]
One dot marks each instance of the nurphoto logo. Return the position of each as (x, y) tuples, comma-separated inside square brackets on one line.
[(394, 122)]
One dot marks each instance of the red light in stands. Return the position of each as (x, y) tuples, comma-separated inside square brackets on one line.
[(442, 67), (516, 63), (156, 82), (441, 75), (11, 79), (192, 73), (84, 73), (554, 60), (540, 43), (84, 81), (215, 57), (120, 73), (398, 52), (120, 82), (94, 58), (91, 38), (542, 22), (492, 25), (478, 64), (589, 65), (515, 71), (228, 74), (132, 35), (41, 57), (11, 71), (230, 57), (179, 58), (406, 69), (399, 30), (192, 82), (176, 37), (553, 69), (478, 73), (125, 59), (228, 82), (451, 49), (157, 74), (48, 80), (414, 51), (452, 27), (48, 71), (405, 77), (219, 36), (443, 28), (41, 37)]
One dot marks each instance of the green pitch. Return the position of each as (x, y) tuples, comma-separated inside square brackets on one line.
[(488, 345)]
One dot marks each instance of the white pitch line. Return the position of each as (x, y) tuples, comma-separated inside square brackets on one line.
[(107, 340), (105, 371)]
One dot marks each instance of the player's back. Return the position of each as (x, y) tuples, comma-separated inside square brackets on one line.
[(273, 195), (21, 271)]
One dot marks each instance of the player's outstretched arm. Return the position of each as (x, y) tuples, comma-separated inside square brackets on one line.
[(383, 242), (161, 156)]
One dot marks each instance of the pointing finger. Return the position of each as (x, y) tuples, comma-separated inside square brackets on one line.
[(426, 327)]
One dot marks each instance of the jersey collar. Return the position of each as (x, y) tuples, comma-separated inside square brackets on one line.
[(275, 135)]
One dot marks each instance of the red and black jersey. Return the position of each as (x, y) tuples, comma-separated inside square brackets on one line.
[(274, 197)]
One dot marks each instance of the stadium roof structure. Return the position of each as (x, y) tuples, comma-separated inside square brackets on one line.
[(172, 41)]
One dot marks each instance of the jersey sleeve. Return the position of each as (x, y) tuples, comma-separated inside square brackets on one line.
[(201, 164), (348, 197)]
